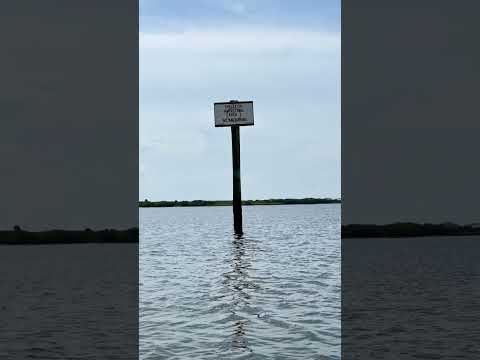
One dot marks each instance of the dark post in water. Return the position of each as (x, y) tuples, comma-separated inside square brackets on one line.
[(235, 113), (237, 187)]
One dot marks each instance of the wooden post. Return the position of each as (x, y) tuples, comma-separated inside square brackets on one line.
[(234, 114), (237, 189)]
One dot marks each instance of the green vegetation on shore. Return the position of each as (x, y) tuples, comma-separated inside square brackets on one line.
[(147, 203), (408, 230), (18, 236)]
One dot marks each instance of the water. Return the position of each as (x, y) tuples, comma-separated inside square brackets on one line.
[(411, 298), (273, 293), (73, 301)]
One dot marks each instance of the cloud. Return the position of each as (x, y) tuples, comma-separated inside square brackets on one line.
[(190, 14), (235, 7), (235, 41), (292, 75)]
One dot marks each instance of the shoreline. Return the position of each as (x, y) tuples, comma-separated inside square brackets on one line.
[(199, 203), (108, 236), (408, 230)]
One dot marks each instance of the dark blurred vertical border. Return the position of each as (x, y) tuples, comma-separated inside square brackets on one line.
[(410, 147), (69, 162)]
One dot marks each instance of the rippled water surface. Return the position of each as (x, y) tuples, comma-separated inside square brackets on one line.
[(72, 301), (272, 293), (411, 298)]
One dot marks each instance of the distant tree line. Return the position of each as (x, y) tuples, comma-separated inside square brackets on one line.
[(147, 203), (408, 230), (19, 236)]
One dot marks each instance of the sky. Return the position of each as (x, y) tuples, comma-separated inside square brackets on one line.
[(283, 55), (69, 118), (409, 103)]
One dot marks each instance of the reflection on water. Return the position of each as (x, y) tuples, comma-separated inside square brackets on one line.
[(239, 283), (273, 292)]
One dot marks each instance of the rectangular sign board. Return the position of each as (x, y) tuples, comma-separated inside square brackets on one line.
[(233, 113)]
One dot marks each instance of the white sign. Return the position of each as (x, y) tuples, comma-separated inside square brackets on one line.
[(233, 113)]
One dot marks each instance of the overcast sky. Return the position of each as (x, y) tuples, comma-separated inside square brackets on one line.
[(409, 126), (68, 128), (283, 55)]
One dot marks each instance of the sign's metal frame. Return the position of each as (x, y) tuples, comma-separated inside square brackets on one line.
[(235, 102)]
